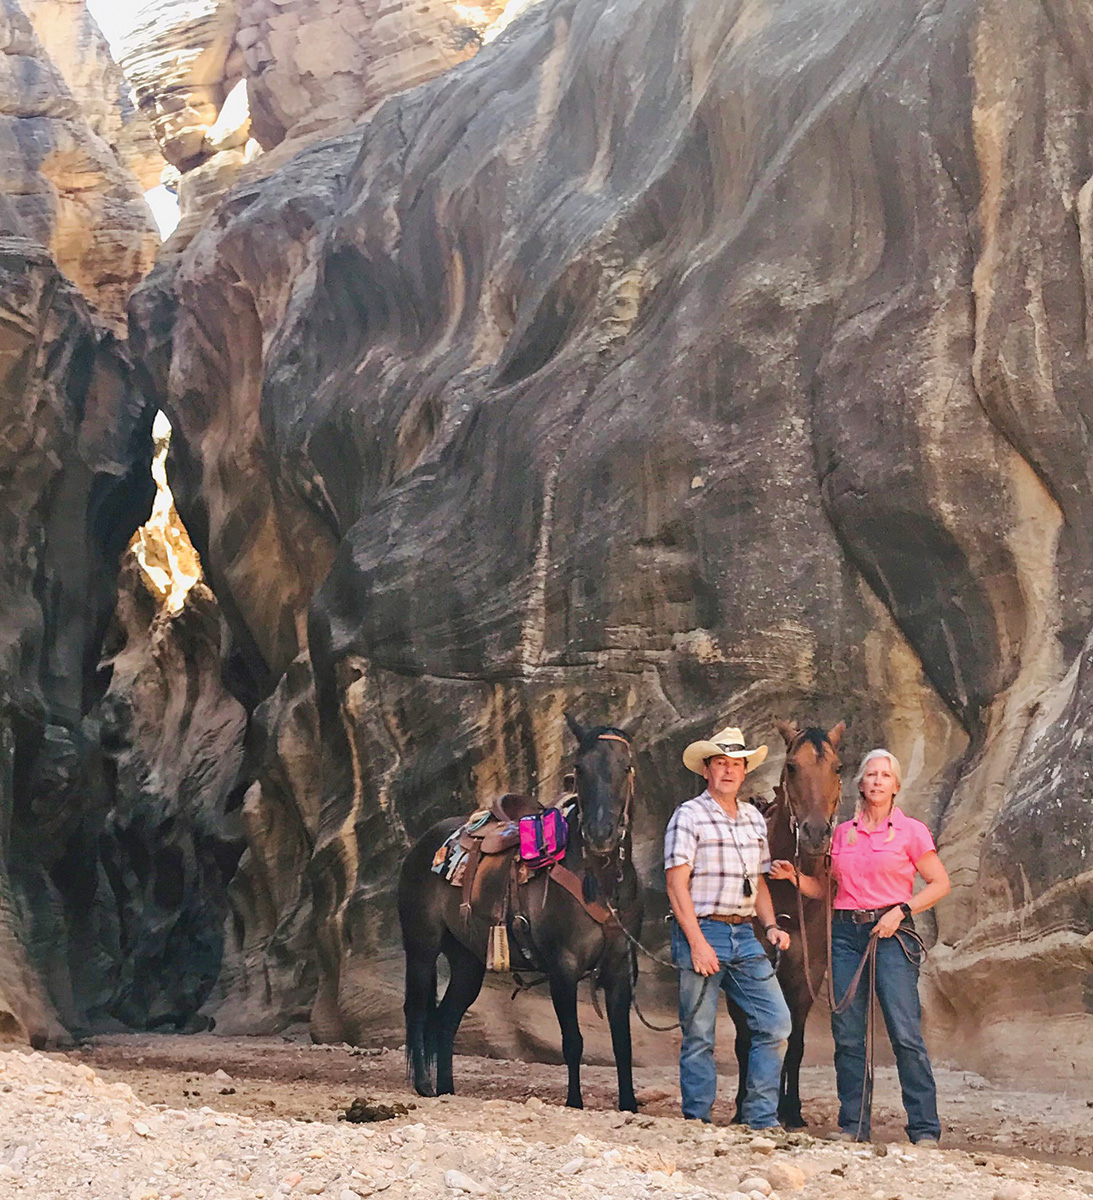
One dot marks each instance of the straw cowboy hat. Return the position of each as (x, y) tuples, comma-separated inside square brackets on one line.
[(729, 741)]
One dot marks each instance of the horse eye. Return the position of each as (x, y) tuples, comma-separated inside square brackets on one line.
[(791, 767)]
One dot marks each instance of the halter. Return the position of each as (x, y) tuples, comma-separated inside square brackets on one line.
[(795, 828), (794, 825), (624, 821)]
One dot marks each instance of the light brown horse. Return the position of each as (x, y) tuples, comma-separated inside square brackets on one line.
[(800, 822)]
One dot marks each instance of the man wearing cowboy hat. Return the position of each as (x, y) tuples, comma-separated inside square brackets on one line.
[(715, 857)]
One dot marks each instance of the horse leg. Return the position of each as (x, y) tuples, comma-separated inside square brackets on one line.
[(742, 1047), (618, 992), (563, 995), (464, 984), (418, 1007), (789, 1102)]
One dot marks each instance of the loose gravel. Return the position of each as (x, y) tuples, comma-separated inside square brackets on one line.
[(67, 1132)]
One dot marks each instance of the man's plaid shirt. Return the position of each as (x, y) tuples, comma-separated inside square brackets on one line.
[(702, 834)]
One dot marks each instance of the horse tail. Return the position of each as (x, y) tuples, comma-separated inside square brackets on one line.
[(420, 1010)]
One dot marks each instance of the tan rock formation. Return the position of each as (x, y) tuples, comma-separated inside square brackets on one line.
[(315, 66), (178, 57), (219, 76), (77, 48), (65, 188)]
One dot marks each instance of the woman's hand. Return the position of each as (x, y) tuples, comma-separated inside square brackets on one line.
[(778, 938), (889, 923), (783, 869)]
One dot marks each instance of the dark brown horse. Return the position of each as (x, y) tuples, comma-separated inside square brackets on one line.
[(800, 821), (550, 930)]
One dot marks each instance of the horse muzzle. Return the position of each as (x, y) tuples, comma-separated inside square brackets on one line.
[(604, 848)]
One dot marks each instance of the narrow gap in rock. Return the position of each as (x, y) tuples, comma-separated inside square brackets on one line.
[(167, 559)]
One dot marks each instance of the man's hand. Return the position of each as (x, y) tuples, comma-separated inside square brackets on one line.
[(704, 960), (889, 923), (778, 938)]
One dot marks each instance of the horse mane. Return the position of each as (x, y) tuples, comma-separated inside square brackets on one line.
[(593, 735), (817, 737)]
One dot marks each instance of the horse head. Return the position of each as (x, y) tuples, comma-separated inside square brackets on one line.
[(604, 773), (811, 784)]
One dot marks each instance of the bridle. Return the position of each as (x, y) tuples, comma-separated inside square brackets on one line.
[(628, 803), (795, 829)]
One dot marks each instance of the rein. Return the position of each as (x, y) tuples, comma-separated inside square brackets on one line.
[(908, 940)]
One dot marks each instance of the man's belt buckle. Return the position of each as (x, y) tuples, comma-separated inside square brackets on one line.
[(863, 916)]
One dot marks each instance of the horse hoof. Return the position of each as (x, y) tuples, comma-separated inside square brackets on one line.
[(425, 1089), (629, 1106), (578, 1103)]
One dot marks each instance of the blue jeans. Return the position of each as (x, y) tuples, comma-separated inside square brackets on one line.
[(747, 977), (897, 991)]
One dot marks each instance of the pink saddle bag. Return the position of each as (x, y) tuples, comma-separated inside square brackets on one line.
[(543, 837)]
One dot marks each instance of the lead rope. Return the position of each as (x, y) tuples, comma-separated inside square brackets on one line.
[(868, 961), (664, 962)]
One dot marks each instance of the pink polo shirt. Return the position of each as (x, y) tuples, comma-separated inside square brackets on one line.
[(875, 872)]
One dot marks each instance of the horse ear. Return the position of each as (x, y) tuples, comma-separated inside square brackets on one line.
[(575, 727), (834, 735), (788, 730)]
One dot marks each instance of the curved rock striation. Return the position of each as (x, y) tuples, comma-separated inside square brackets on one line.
[(668, 360), (77, 48), (75, 484), (61, 183)]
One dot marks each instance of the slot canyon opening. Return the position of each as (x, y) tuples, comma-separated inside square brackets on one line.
[(168, 840), (169, 564)]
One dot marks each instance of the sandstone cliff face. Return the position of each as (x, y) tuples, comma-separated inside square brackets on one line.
[(315, 65), (221, 79), (76, 483), (670, 361), (77, 48), (62, 184)]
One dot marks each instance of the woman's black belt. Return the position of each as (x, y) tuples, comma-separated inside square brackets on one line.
[(861, 916)]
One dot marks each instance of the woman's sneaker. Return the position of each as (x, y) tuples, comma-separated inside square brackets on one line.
[(927, 1143)]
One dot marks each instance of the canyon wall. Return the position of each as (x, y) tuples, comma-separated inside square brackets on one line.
[(63, 185), (671, 361), (119, 747)]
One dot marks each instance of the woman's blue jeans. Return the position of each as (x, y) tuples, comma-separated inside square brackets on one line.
[(897, 992), (747, 977)]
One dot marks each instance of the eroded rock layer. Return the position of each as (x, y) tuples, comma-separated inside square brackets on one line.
[(77, 48), (672, 360), (75, 483), (60, 183)]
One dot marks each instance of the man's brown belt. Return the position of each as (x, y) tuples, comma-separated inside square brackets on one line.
[(729, 919)]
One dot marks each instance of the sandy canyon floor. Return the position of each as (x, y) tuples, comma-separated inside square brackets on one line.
[(165, 1117)]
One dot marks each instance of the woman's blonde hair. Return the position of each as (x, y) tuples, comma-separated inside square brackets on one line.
[(897, 771)]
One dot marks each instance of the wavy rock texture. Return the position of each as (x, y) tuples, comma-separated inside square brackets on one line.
[(212, 74), (171, 839), (670, 361), (77, 48), (316, 65), (63, 187), (178, 57), (74, 465)]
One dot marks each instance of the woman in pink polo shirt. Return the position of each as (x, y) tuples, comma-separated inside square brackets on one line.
[(874, 860)]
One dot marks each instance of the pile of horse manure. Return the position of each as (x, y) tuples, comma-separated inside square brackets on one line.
[(362, 1111)]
